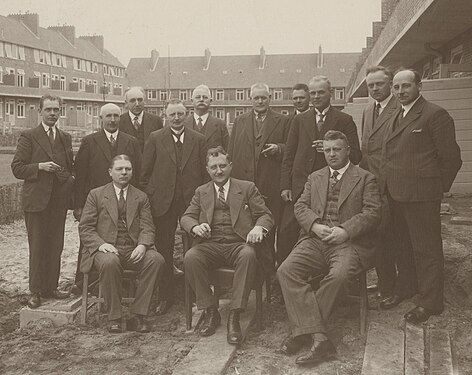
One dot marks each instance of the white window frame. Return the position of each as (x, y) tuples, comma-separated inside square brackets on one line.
[(163, 95), (20, 78), (183, 95), (238, 112), (20, 109), (278, 94), (81, 84), (220, 113), (339, 94), (45, 77), (63, 83), (21, 53), (10, 107), (240, 94), (219, 95), (63, 112), (1, 108), (152, 94)]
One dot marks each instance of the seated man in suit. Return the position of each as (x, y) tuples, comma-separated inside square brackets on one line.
[(117, 232), (338, 212), (227, 217)]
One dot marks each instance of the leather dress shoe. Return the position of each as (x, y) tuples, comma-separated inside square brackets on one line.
[(55, 294), (34, 301), (115, 326), (419, 315), (320, 351), (211, 322), (292, 345), (235, 335), (390, 302), (163, 306), (141, 324)]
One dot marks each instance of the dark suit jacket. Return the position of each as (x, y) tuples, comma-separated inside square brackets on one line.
[(93, 161), (34, 148), (264, 171), (150, 122), (99, 221), (421, 157), (358, 208), (159, 168), (373, 135), (247, 209), (215, 131), (300, 156)]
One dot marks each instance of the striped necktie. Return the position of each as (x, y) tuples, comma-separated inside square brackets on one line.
[(221, 195)]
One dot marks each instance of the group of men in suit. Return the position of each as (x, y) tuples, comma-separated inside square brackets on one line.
[(294, 179)]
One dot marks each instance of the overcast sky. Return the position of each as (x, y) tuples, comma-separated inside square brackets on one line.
[(226, 27)]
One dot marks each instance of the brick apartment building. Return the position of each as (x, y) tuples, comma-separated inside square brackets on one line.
[(36, 60), (230, 78)]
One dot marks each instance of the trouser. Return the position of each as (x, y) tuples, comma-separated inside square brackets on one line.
[(288, 233), (308, 311), (206, 256), (110, 267), (79, 276)]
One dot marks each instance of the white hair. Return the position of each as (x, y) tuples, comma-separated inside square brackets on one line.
[(260, 85)]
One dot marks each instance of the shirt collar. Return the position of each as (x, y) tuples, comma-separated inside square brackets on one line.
[(297, 112), (140, 116), (340, 171), (178, 135), (384, 102), (46, 128), (225, 186), (117, 191), (406, 108), (203, 117), (263, 116), (108, 134), (324, 112)]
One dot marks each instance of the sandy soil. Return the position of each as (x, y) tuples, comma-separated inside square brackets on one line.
[(41, 348)]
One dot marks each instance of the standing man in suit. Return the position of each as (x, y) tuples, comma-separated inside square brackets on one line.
[(92, 163), (256, 149), (44, 160), (228, 218), (117, 232), (421, 161), (338, 212), (214, 129), (173, 167), (136, 122), (374, 124), (289, 228), (304, 151)]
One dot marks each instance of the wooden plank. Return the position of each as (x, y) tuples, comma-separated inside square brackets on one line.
[(466, 166), (461, 188), (464, 145), (453, 104), (384, 351), (440, 356), (414, 350), (464, 177), (461, 114), (463, 133), (448, 94), (447, 84)]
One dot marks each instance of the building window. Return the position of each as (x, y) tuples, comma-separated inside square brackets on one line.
[(338, 94), (220, 113), (95, 86), (220, 95), (435, 69), (239, 111), (63, 83), (45, 81), (95, 110), (89, 66), (278, 94), (1, 49), (163, 95), (20, 78), (183, 95), (240, 94), (95, 67), (81, 84), (63, 110), (152, 94), (48, 58), (20, 108), (1, 74), (21, 53), (10, 108)]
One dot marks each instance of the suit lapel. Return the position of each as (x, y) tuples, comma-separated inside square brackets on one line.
[(208, 201), (42, 139), (350, 179), (210, 127), (411, 116), (309, 124), (168, 143), (235, 201), (368, 120), (248, 122), (321, 184), (104, 144), (187, 147), (131, 205), (62, 138), (271, 122), (384, 116), (110, 202), (147, 129)]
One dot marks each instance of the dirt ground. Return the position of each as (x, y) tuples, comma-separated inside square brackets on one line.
[(41, 348)]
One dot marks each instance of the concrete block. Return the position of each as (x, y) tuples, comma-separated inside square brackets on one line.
[(60, 312), (464, 220)]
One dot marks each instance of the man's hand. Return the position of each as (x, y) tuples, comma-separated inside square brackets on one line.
[(138, 254), (255, 235), (270, 149), (203, 230), (286, 195), (321, 230), (77, 213), (108, 248), (338, 236), (49, 166), (318, 144)]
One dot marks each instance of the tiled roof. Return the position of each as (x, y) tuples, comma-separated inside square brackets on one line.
[(13, 31), (241, 71)]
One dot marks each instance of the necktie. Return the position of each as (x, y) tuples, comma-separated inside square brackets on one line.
[(259, 121), (51, 135), (399, 119), (221, 195), (334, 179), (320, 122), (376, 112), (121, 204), (200, 125), (136, 122), (112, 140)]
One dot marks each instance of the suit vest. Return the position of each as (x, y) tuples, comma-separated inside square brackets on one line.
[(221, 227), (330, 216)]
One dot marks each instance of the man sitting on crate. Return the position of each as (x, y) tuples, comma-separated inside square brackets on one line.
[(117, 232), (338, 212), (226, 217)]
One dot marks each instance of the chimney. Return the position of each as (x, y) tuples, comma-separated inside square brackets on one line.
[(319, 60), (154, 60), (67, 32), (96, 40), (207, 59), (30, 20), (262, 58), (387, 8)]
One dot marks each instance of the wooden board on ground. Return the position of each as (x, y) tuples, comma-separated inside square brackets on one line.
[(440, 357), (384, 351), (414, 350)]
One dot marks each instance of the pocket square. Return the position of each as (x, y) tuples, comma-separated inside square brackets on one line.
[(246, 206), (417, 130)]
